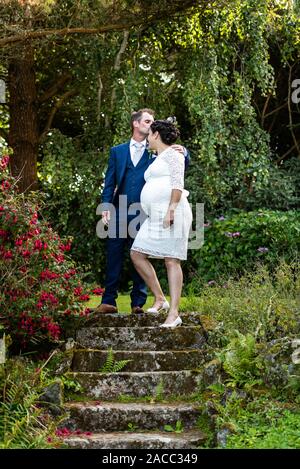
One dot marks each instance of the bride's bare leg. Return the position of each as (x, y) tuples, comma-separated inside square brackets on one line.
[(147, 272), (175, 279)]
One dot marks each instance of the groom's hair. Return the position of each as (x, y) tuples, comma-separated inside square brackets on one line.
[(137, 115)]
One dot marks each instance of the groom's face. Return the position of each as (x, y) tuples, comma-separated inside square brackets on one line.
[(144, 123)]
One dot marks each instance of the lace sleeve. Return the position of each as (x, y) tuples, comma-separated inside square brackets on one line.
[(175, 161)]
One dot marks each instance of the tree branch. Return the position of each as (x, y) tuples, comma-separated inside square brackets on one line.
[(275, 110), (99, 96), (264, 109), (61, 32), (286, 154), (52, 91), (56, 107), (117, 66), (144, 18)]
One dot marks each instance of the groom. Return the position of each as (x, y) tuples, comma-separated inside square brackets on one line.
[(125, 177)]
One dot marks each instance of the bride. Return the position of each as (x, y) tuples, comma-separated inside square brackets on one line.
[(164, 233)]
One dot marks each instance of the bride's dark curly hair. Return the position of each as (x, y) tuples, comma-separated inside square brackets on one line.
[(167, 131)]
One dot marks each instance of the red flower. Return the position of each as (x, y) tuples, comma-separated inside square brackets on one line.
[(98, 291), (48, 275), (69, 274), (26, 253), (5, 185), (38, 245), (7, 255), (65, 247), (3, 234), (84, 297), (78, 291), (59, 258), (4, 161)]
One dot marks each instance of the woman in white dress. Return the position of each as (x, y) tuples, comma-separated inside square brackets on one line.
[(164, 234)]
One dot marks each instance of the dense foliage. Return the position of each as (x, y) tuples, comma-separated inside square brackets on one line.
[(41, 290), (223, 70), (237, 242), (24, 423)]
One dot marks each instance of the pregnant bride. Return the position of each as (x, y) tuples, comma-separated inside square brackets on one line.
[(164, 234)]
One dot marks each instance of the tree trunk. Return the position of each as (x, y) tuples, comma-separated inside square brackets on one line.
[(23, 126)]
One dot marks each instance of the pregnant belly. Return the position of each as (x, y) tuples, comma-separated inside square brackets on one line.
[(156, 192)]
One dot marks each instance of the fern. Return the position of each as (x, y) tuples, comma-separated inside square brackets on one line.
[(22, 423), (240, 360), (159, 391), (111, 365)]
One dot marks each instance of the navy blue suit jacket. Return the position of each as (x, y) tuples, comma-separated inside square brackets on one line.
[(117, 167)]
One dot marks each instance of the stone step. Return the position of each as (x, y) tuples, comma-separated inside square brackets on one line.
[(142, 338), (116, 416), (125, 440), (138, 320), (111, 385), (167, 360)]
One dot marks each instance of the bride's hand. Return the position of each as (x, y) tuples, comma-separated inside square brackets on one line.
[(169, 219)]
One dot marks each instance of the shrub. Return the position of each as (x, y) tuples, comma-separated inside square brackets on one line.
[(71, 178), (259, 303), (41, 291), (237, 242)]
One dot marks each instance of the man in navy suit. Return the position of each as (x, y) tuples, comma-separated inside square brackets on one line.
[(125, 177)]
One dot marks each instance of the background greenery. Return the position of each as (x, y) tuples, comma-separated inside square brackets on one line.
[(226, 72)]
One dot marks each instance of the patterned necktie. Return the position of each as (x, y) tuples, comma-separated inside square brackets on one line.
[(138, 153)]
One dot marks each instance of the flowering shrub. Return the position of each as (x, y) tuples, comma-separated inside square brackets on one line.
[(41, 290), (240, 240)]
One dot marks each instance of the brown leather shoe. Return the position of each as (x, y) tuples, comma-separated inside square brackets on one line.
[(104, 308), (137, 310)]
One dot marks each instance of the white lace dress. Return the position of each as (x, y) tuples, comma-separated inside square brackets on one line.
[(163, 175)]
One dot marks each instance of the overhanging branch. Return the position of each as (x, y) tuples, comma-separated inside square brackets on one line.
[(32, 35), (144, 18), (52, 91)]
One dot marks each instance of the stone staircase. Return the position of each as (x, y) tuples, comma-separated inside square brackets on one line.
[(129, 409)]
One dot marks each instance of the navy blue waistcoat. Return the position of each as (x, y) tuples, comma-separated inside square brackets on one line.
[(133, 179)]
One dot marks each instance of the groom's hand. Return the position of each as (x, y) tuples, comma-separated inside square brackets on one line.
[(178, 148), (105, 217)]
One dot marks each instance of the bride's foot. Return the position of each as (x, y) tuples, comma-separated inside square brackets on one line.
[(159, 305), (173, 320)]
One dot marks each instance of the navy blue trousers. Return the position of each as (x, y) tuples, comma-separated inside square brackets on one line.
[(116, 246)]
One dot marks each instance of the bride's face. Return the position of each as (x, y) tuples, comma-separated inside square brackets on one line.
[(152, 139)]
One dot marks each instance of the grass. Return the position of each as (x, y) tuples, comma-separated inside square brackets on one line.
[(262, 423), (123, 302)]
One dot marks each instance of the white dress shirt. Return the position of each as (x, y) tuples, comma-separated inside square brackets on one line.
[(133, 150)]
